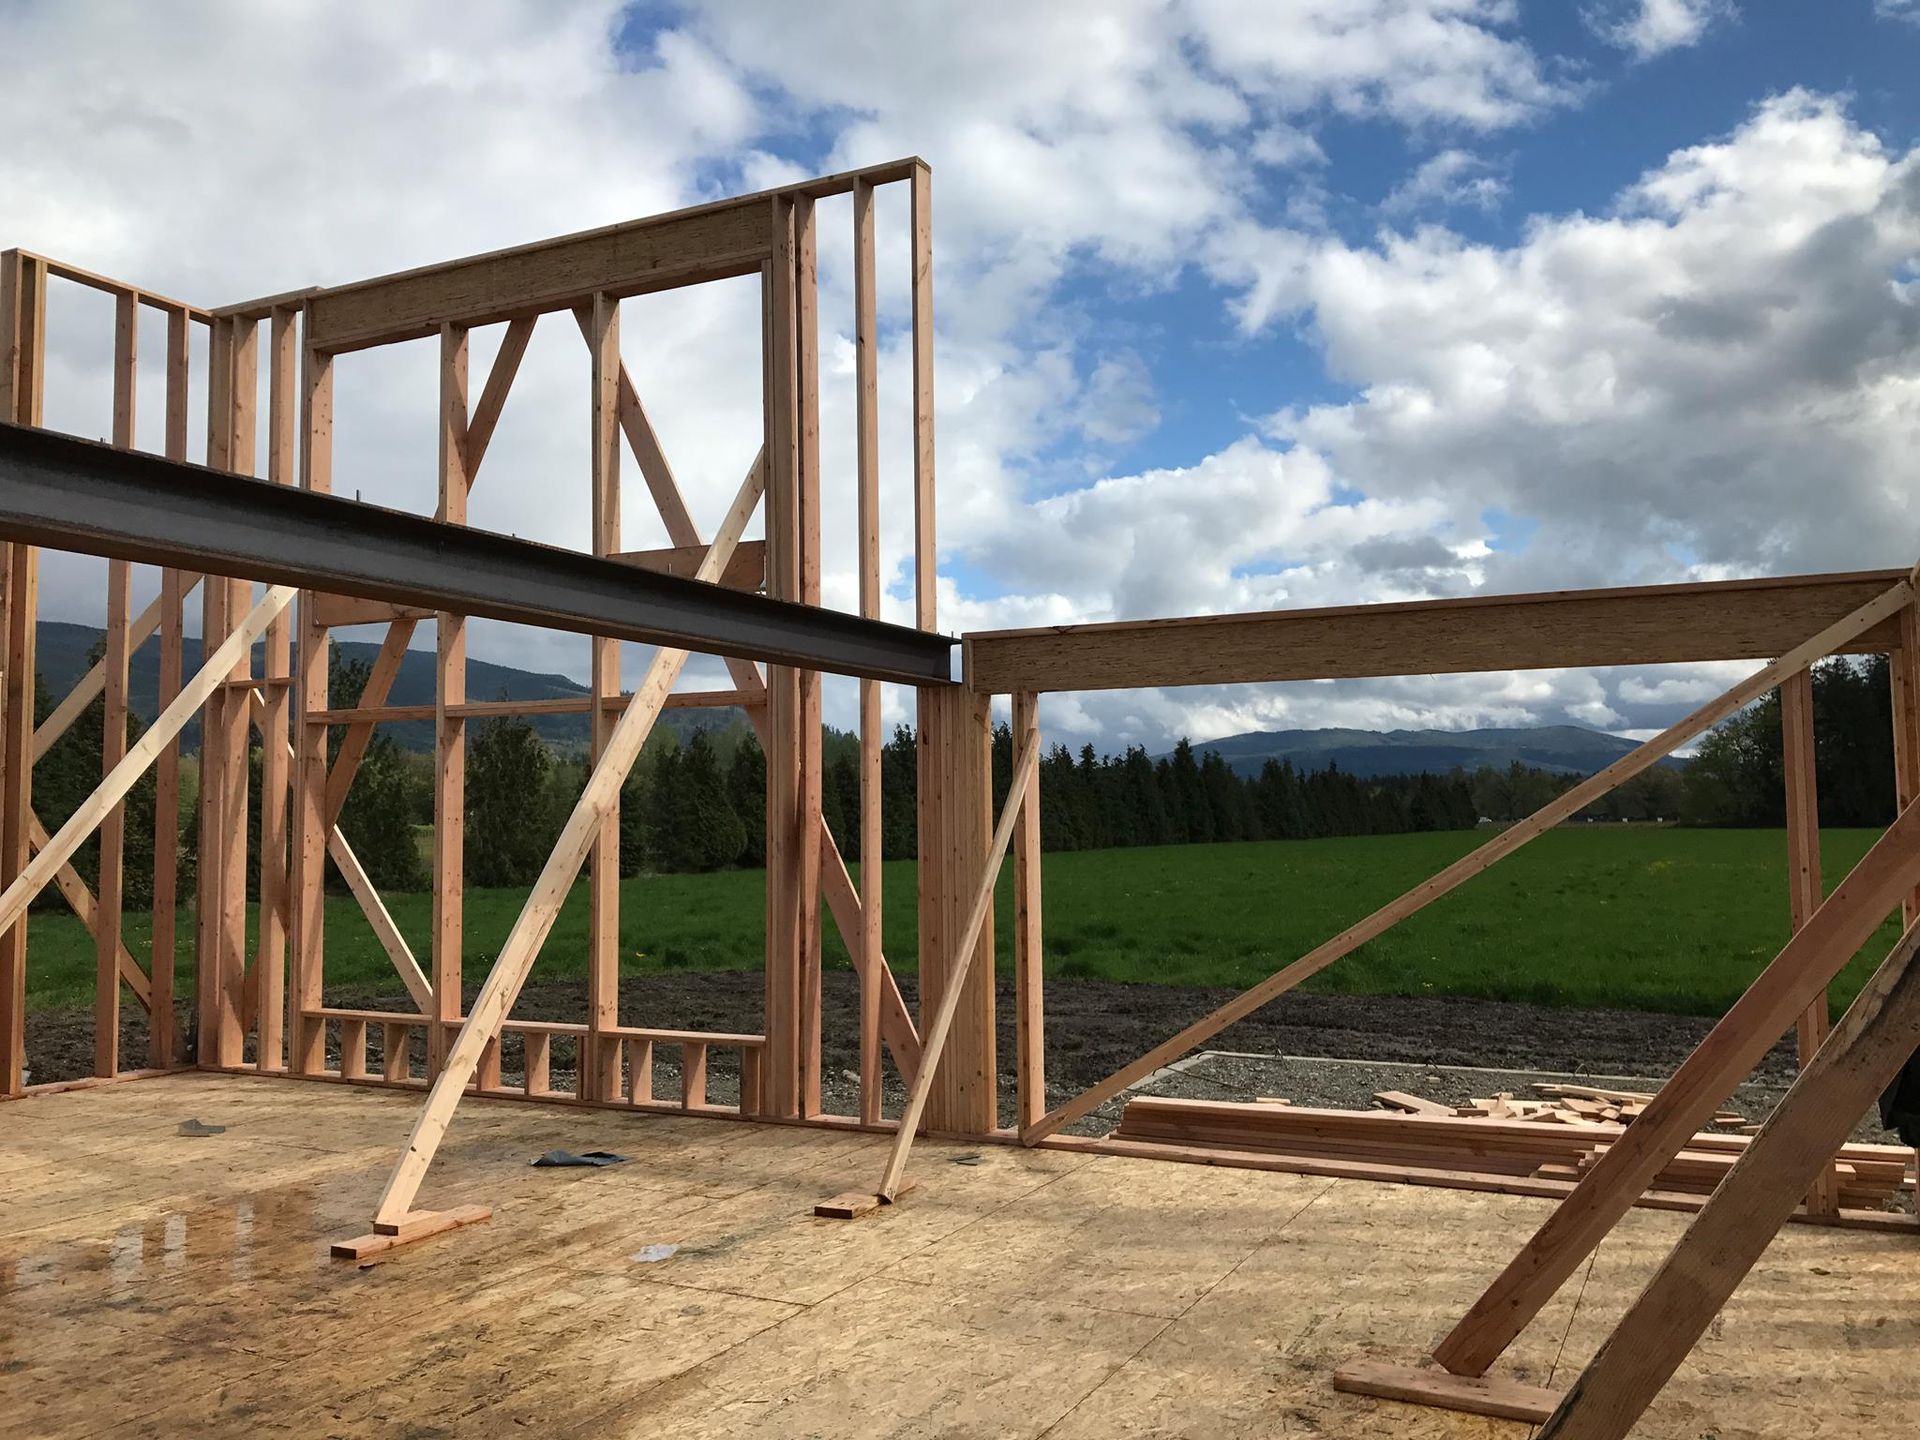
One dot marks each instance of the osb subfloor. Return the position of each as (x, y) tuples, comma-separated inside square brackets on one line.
[(153, 1284)]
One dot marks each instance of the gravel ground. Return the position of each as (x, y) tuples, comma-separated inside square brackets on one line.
[(1331, 1050)]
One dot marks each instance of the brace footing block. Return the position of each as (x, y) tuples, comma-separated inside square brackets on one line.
[(852, 1204), (1491, 1395), (417, 1226)]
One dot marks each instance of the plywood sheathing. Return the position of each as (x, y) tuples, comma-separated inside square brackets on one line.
[(1027, 1292)]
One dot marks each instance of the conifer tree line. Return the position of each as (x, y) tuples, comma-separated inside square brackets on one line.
[(698, 803)]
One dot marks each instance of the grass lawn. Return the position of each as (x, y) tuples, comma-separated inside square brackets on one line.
[(1651, 919)]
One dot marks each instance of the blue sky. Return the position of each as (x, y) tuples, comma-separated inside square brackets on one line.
[(1240, 305), (1633, 114)]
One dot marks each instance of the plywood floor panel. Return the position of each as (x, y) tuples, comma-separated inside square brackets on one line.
[(156, 1285)]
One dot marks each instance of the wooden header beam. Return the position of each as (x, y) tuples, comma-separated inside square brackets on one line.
[(708, 242), (1643, 625)]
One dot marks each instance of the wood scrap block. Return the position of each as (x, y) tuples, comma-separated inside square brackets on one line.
[(1492, 1395), (417, 1226), (852, 1204), (1412, 1104)]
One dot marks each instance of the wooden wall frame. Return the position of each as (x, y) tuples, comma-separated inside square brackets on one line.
[(261, 1005)]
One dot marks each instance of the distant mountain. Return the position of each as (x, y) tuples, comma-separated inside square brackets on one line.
[(64, 648), (1567, 749)]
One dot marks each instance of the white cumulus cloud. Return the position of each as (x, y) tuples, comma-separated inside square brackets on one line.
[(1652, 27)]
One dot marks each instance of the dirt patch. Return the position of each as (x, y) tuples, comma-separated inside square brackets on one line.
[(1093, 1028)]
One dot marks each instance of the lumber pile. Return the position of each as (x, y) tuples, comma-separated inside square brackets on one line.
[(1521, 1139)]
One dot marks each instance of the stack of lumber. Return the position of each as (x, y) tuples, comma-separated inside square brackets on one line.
[(1519, 1145)]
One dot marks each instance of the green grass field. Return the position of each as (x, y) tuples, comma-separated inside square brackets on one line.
[(1651, 919)]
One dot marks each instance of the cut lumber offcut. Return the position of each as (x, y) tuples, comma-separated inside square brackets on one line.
[(1858, 1059), (140, 755), (1491, 1395), (1592, 1092), (852, 1204), (417, 1226), (1412, 1104), (1866, 1176), (1646, 755), (1805, 966)]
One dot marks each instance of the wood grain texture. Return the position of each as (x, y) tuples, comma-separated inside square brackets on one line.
[(1804, 890), (956, 959), (272, 714), (312, 817), (810, 820), (1029, 945), (449, 731), (1491, 1395), (926, 558), (1655, 624), (866, 360), (715, 241), (600, 1062), (113, 735), (746, 571), (657, 253), (23, 305)]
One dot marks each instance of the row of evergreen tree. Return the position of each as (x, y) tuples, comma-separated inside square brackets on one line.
[(698, 803), (701, 804)]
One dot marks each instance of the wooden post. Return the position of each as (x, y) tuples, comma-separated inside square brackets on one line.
[(957, 987), (270, 963), (113, 737), (926, 580), (166, 784), (1903, 669), (1803, 873), (311, 822), (1903, 673), (1030, 1035), (221, 959), (23, 309), (807, 861), (1866, 1050), (783, 1092), (599, 1064), (866, 330), (956, 813), (450, 730), (213, 601)]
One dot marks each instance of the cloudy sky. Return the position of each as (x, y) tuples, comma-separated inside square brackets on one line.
[(1241, 305)]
